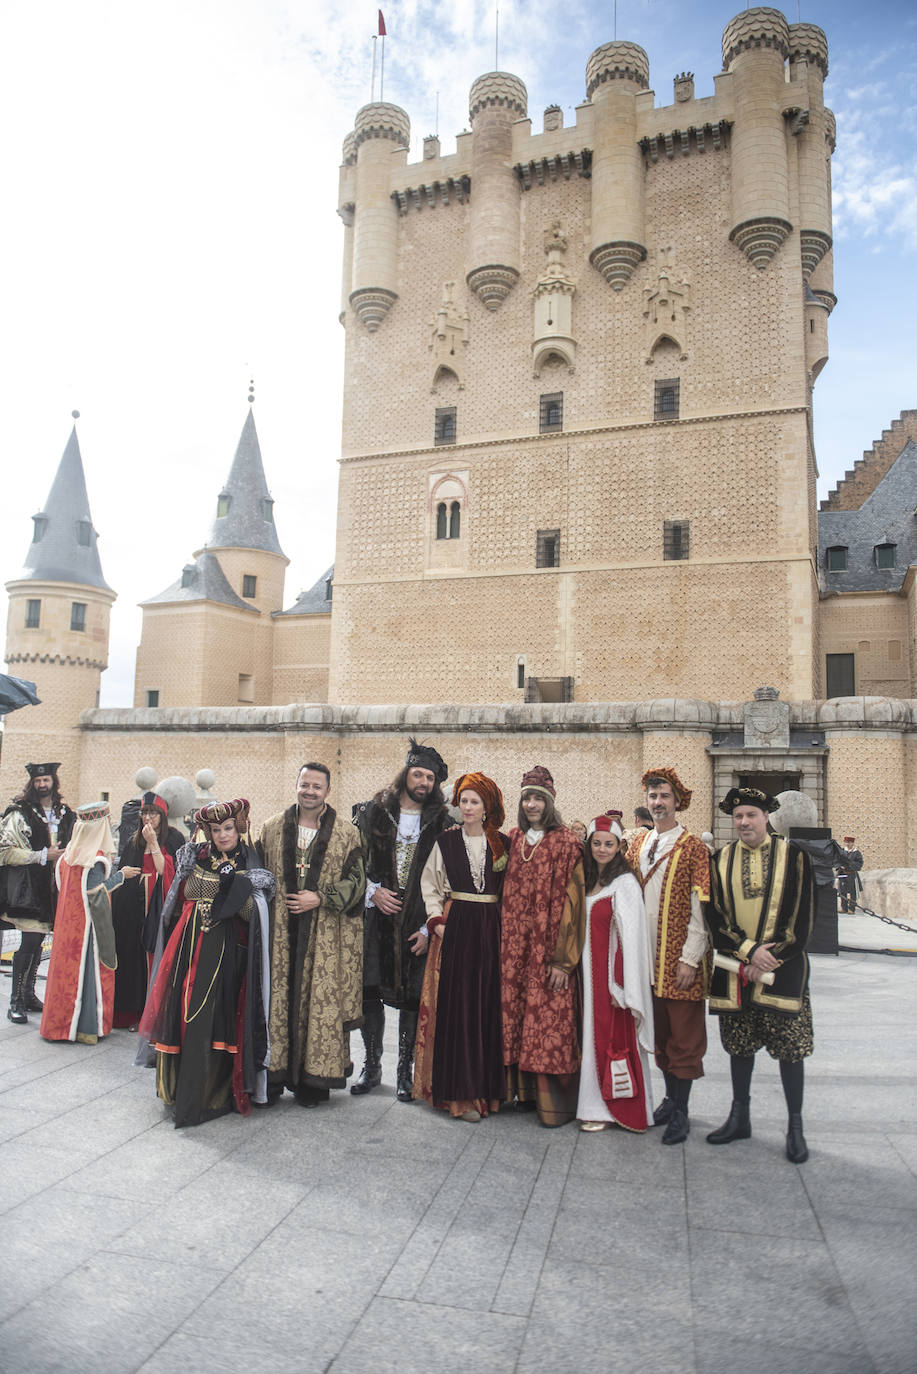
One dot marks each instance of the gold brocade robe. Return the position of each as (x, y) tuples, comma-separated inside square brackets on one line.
[(316, 957)]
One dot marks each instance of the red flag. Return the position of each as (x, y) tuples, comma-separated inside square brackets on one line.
[(381, 25)]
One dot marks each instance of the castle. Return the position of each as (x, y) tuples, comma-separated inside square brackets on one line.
[(577, 513)]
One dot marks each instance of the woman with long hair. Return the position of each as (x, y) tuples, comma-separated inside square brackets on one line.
[(458, 1059), (541, 1051), (604, 924), (206, 1013), (148, 865)]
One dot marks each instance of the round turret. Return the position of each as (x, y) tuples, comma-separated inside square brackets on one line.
[(498, 90), (615, 74), (382, 120), (761, 27), (379, 129), (755, 47), (617, 61), (496, 100), (807, 43), (349, 150)]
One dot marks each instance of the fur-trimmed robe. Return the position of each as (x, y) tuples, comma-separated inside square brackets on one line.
[(391, 971), (316, 958)]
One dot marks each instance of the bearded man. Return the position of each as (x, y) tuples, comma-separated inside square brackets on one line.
[(316, 941), (34, 832), (398, 828)]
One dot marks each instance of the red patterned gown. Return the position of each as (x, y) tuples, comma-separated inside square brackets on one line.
[(541, 1050)]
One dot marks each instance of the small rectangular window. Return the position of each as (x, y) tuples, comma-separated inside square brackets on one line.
[(894, 651), (840, 677), (249, 584), (32, 615), (152, 696), (520, 672), (77, 615), (444, 425), (676, 540), (886, 555), (223, 501), (246, 687), (836, 558), (41, 524), (547, 549), (105, 796), (551, 413), (83, 533), (666, 399)]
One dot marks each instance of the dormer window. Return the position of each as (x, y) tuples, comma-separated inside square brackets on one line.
[(267, 508), (187, 573), (328, 586), (886, 555), (41, 524), (84, 533), (836, 558), (223, 501)]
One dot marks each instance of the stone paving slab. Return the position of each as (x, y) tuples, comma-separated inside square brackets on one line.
[(366, 1235)]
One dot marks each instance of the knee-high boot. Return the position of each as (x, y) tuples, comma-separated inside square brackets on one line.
[(372, 1032), (32, 1001), (21, 962), (407, 1034)]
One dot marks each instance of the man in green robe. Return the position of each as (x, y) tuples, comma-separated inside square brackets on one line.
[(316, 933)]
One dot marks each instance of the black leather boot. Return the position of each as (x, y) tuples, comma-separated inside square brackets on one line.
[(797, 1151), (407, 1033), (737, 1125), (32, 1002), (372, 1032), (17, 1012), (663, 1113), (677, 1130)]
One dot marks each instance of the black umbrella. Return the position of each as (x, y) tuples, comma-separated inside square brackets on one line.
[(16, 692)]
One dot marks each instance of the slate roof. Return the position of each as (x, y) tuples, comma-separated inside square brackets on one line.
[(57, 555), (206, 582), (887, 516), (245, 525), (315, 601)]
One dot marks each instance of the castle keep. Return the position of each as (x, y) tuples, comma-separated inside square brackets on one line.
[(579, 372), (577, 517)]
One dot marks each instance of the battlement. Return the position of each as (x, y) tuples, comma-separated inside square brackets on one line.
[(860, 481)]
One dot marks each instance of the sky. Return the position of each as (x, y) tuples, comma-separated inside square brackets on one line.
[(170, 179)]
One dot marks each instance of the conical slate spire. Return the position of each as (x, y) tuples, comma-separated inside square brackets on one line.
[(64, 544), (245, 510)]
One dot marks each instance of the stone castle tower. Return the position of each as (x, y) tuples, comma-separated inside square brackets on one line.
[(207, 640), (578, 386), (57, 630)]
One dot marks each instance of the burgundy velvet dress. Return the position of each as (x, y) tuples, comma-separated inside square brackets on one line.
[(459, 1053)]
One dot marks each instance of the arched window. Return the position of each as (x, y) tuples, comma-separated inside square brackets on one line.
[(455, 520), (441, 529)]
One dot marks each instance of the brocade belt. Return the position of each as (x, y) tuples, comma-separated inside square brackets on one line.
[(473, 897)]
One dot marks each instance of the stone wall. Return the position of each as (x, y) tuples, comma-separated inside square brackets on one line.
[(597, 753), (873, 626)]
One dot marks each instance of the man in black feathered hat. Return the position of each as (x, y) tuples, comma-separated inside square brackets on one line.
[(398, 828), (760, 913), (34, 832)]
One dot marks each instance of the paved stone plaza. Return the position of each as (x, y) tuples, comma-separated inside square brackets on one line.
[(373, 1236)]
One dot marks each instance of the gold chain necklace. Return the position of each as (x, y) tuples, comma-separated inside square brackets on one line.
[(527, 858)]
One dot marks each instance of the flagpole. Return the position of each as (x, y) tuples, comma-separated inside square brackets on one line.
[(372, 88), (382, 72), (497, 39)]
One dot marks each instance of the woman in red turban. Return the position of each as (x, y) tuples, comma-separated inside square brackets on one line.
[(458, 1062)]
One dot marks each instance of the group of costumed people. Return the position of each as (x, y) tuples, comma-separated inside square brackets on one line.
[(528, 968)]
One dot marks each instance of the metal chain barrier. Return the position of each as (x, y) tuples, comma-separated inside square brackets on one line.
[(912, 930)]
